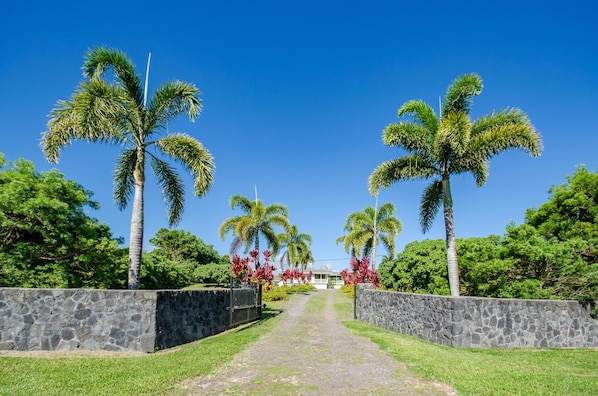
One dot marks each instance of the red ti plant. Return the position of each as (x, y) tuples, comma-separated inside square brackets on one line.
[(362, 273), (296, 275), (240, 268), (263, 273)]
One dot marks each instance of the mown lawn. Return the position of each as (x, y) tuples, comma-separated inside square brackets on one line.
[(151, 374), (517, 371)]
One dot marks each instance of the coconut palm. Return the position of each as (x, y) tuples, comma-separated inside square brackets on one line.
[(365, 229), (116, 112), (452, 144), (296, 247), (257, 220)]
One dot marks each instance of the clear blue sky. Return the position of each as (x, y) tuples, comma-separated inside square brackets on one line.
[(296, 94)]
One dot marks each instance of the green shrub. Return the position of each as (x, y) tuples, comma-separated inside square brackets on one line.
[(275, 294), (348, 290)]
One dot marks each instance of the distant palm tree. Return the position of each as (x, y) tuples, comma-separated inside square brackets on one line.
[(297, 246), (365, 229), (116, 112), (306, 259), (257, 220), (451, 145)]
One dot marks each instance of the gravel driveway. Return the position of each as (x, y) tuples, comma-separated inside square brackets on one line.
[(310, 352)]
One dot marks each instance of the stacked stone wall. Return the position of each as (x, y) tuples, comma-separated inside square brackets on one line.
[(475, 322), (116, 320)]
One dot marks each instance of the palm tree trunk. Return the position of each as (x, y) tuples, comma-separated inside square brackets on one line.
[(374, 252), (451, 244), (136, 237), (257, 248)]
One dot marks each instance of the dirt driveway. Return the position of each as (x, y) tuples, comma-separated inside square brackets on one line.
[(310, 352)]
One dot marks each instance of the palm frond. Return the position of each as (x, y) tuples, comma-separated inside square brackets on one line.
[(421, 112), (388, 241), (172, 189), (453, 135), (124, 181), (101, 59), (241, 202), (192, 155), (430, 203), (278, 209), (407, 135), (459, 95), (503, 130), (271, 238), (407, 167), (173, 99)]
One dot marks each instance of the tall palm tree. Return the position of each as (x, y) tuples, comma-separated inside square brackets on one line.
[(365, 229), (452, 144), (296, 247), (257, 220), (116, 112)]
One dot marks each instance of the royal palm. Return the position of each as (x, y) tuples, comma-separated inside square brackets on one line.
[(452, 144), (365, 229), (257, 220), (116, 112)]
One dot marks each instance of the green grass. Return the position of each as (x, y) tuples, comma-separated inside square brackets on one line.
[(513, 371), (152, 374)]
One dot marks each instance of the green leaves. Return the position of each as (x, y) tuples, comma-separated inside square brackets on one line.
[(46, 238), (193, 156), (257, 220), (459, 95), (367, 228), (112, 110)]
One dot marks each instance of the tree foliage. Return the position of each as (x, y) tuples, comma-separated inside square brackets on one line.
[(367, 228), (552, 254), (440, 146), (256, 221), (177, 260), (296, 248), (115, 111), (47, 239)]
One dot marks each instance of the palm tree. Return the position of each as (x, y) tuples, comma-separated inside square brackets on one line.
[(116, 112), (306, 257), (365, 229), (451, 145), (297, 247), (257, 221)]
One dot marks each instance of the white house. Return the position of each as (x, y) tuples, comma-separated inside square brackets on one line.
[(323, 278)]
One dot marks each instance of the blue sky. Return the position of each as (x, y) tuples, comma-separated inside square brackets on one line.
[(296, 95)]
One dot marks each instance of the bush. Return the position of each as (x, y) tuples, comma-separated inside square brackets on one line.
[(275, 294), (348, 290), (298, 288)]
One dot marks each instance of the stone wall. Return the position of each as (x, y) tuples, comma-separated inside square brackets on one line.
[(476, 322), (117, 320)]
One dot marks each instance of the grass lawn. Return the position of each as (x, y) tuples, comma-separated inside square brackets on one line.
[(151, 374), (513, 371), (521, 371)]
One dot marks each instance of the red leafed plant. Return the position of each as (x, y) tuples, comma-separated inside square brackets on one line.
[(362, 273), (242, 271), (240, 268), (295, 274)]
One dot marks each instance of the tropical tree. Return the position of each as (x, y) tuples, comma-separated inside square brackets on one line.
[(365, 229), (306, 259), (47, 238), (257, 220), (296, 247), (117, 112), (439, 147)]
